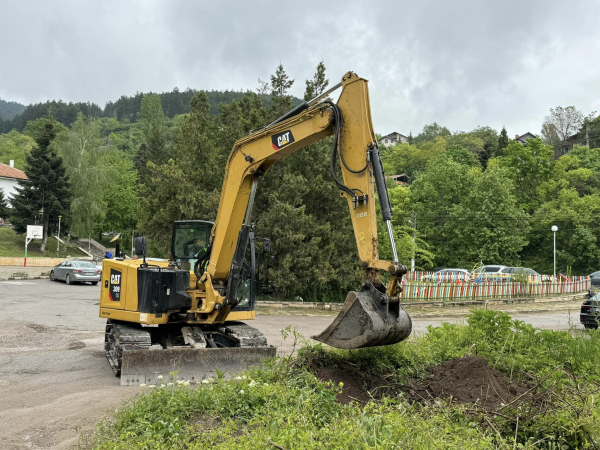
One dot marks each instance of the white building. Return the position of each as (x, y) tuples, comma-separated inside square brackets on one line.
[(393, 139), (9, 176)]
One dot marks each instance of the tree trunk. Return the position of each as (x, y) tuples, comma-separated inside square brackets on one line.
[(45, 233)]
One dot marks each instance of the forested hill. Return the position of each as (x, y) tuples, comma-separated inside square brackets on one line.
[(8, 110), (124, 109)]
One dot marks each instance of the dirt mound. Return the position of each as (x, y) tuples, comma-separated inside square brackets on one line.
[(356, 386), (467, 380)]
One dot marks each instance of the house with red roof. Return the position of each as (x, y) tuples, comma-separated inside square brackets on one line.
[(9, 177)]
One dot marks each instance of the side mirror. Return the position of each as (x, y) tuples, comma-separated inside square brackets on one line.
[(140, 246), (267, 245)]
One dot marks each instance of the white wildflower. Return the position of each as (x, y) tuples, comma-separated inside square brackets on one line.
[(143, 385), (169, 384), (238, 378), (244, 377), (160, 377), (151, 386), (265, 384), (252, 383), (207, 381), (186, 383), (180, 382), (242, 391)]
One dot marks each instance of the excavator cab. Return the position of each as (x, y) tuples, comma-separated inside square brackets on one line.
[(190, 242), (190, 249)]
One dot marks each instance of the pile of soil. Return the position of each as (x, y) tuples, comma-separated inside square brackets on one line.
[(467, 380), (357, 387)]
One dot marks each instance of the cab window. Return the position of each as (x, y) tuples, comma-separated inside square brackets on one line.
[(190, 241)]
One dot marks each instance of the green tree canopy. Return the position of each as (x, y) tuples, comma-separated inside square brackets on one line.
[(487, 224), (81, 149), (15, 146), (529, 166), (443, 184)]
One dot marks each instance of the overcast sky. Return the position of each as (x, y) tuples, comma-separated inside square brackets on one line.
[(459, 63)]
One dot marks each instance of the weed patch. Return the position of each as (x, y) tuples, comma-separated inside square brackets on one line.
[(545, 383)]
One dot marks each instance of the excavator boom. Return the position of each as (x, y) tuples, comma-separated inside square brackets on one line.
[(373, 316)]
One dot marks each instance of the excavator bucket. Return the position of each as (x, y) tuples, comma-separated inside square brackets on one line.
[(368, 319), (191, 364)]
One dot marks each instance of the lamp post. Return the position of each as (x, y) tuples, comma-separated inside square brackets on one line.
[(554, 230), (58, 237)]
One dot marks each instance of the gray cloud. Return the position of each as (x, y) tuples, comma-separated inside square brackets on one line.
[(460, 63)]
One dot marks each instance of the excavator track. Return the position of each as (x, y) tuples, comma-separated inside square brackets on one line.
[(136, 361), (247, 335), (120, 336)]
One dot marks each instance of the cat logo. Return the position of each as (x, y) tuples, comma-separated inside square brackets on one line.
[(280, 140), (114, 292)]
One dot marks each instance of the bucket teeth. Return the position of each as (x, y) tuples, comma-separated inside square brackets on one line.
[(368, 319)]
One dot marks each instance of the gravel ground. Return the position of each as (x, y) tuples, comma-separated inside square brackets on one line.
[(57, 383)]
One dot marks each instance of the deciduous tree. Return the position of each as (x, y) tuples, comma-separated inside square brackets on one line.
[(81, 149)]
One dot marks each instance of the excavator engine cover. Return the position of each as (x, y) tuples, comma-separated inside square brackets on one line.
[(368, 319)]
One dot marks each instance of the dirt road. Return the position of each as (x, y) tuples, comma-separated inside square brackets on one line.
[(55, 379)]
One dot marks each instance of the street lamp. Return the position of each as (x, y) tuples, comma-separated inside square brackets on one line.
[(58, 237), (554, 230)]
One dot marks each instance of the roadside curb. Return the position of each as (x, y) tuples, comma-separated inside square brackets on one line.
[(42, 277), (424, 305)]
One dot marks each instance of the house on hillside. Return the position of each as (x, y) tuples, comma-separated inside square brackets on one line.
[(585, 138), (401, 180), (393, 139), (524, 137), (9, 176)]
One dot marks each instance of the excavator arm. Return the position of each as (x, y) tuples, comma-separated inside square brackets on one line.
[(370, 317)]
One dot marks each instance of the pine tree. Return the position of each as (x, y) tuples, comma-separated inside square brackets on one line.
[(154, 144), (280, 84), (502, 141), (3, 206), (46, 193), (317, 85), (410, 138)]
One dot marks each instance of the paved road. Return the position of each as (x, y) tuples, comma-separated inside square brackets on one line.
[(54, 377)]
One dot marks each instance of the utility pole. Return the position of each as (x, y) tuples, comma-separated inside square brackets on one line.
[(414, 237), (554, 230), (58, 237)]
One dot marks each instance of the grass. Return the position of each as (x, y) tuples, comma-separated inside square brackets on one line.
[(284, 406), (13, 245)]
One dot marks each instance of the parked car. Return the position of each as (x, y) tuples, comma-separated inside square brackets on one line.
[(76, 272), (489, 273), (519, 271), (595, 279), (590, 312), (493, 269), (448, 275)]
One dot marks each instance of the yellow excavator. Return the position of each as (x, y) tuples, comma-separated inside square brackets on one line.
[(187, 315)]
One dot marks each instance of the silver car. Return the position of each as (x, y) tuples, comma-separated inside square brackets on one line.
[(76, 272)]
